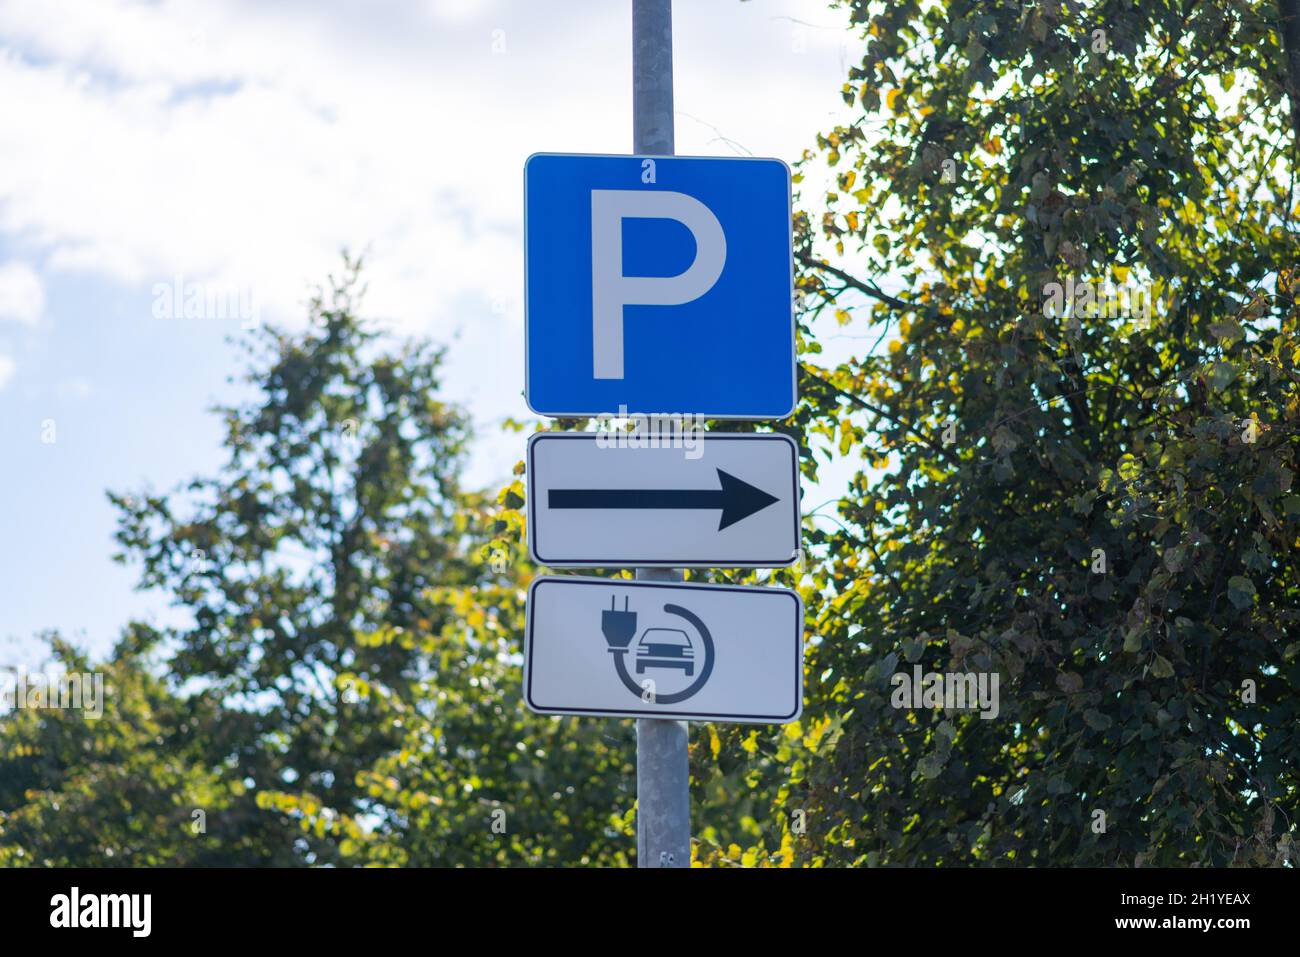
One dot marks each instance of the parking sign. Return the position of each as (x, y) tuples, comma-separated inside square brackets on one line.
[(658, 285)]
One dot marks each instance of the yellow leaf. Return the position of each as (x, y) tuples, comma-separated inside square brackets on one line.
[(891, 100), (787, 849)]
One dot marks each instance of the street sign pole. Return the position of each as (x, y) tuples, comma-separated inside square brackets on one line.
[(663, 817), (663, 794)]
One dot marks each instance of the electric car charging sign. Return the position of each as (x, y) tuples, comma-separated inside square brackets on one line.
[(658, 285), (643, 649)]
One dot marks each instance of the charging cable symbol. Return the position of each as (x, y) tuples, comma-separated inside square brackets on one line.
[(659, 649), (619, 627)]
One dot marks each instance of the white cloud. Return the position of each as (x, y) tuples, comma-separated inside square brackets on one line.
[(455, 10), (7, 368), (244, 144), (22, 295), (73, 388)]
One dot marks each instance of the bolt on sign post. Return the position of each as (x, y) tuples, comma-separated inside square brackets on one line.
[(662, 285)]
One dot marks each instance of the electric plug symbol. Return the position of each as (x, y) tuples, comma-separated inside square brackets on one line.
[(619, 627)]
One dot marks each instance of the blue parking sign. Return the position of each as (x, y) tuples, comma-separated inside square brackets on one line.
[(658, 285)]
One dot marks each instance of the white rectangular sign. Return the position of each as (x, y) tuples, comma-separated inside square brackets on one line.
[(716, 500), (645, 649)]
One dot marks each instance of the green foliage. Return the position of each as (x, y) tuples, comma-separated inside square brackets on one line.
[(123, 789), (1012, 445), (477, 780), (348, 689), (335, 514)]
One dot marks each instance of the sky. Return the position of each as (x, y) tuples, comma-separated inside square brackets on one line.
[(243, 145)]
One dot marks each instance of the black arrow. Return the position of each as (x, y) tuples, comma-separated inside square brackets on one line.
[(737, 499)]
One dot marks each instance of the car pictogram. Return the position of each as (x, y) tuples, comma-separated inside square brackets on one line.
[(665, 648)]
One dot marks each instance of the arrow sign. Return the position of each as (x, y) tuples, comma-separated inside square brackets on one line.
[(659, 649), (727, 500), (736, 498)]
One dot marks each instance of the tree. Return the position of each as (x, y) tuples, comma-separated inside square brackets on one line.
[(477, 779), (1089, 497), (358, 628), (130, 786), (335, 512)]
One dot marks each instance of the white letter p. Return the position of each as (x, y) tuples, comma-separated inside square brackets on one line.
[(611, 290)]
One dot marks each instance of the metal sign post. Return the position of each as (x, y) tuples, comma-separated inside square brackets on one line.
[(598, 339), (663, 774), (663, 794)]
